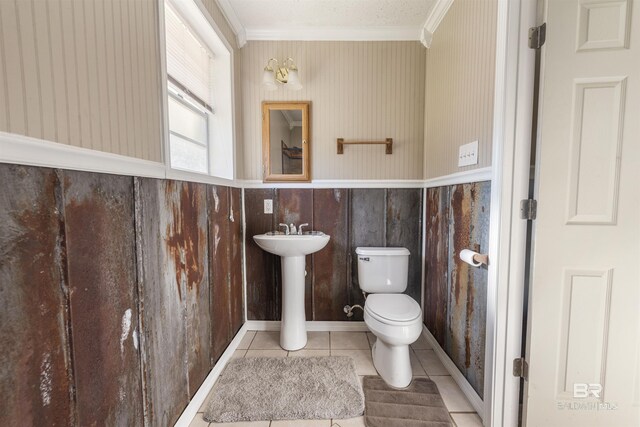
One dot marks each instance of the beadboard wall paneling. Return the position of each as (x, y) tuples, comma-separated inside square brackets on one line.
[(82, 73), (358, 90), (459, 86)]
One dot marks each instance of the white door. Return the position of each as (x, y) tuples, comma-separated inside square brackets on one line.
[(584, 312)]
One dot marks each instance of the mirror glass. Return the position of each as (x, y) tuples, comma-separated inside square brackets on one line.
[(285, 141)]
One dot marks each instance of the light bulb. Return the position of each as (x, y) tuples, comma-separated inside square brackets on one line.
[(269, 79), (293, 82)]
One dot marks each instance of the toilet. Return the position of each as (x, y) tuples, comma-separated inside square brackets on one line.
[(393, 317)]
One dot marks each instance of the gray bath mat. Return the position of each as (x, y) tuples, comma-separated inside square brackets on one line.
[(418, 405), (286, 388)]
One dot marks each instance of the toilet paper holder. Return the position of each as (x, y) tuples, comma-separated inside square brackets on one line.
[(474, 258)]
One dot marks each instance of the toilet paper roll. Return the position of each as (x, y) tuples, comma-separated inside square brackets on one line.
[(467, 255)]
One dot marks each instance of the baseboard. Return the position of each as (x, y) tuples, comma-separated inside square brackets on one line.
[(191, 410), (344, 326), (455, 373)]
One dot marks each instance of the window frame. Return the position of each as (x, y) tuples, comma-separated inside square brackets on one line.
[(221, 159)]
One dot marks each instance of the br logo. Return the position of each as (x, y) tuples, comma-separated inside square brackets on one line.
[(583, 390)]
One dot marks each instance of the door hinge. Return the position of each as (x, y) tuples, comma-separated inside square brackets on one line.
[(528, 209), (520, 368), (537, 36)]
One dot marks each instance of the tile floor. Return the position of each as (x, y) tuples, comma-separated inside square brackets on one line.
[(424, 362)]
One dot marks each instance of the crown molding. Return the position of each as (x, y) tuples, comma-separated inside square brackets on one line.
[(438, 11), (232, 18), (334, 33), (424, 34)]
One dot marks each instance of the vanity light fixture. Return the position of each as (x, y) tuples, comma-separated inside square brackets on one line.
[(287, 74)]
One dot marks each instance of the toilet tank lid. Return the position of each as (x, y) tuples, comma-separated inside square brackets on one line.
[(382, 251)]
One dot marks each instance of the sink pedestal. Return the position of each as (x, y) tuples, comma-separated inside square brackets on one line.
[(293, 330), (292, 249)]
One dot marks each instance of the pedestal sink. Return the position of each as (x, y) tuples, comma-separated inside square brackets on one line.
[(292, 250)]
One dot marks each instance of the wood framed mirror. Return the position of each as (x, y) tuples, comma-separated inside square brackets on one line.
[(286, 154)]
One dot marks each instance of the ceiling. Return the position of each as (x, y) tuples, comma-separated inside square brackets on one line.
[(334, 19)]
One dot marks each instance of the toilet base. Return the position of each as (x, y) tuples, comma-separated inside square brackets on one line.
[(392, 363)]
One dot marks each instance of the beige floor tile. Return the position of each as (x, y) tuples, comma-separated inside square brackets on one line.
[(364, 363), (349, 341), (416, 366), (266, 353), (317, 341), (309, 353), (350, 422), (269, 340), (246, 340), (430, 362), (238, 354), (198, 421), (371, 338), (421, 344), (242, 424), (301, 423), (453, 397), (467, 420)]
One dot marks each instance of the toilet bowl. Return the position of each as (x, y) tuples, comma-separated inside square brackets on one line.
[(393, 317), (396, 321)]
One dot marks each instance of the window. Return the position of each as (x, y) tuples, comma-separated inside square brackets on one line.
[(199, 93)]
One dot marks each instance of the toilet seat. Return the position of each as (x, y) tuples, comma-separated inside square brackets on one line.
[(393, 309)]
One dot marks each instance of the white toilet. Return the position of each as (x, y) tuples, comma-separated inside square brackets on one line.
[(393, 317)]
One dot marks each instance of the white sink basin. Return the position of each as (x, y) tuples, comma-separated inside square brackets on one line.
[(292, 250), (291, 245)]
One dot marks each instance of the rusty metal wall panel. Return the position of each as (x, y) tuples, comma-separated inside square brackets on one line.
[(295, 206), (330, 266), (235, 230), (455, 293), (161, 291), (367, 227), (35, 366), (100, 237), (188, 242), (353, 217), (263, 294), (458, 338), (436, 262), (219, 248), (478, 280), (404, 229), (458, 218)]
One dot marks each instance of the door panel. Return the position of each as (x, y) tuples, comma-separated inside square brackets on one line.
[(584, 324)]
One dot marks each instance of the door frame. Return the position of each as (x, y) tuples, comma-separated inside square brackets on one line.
[(512, 126)]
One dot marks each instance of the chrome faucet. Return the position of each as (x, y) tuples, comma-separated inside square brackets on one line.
[(293, 229), (286, 228), (300, 227)]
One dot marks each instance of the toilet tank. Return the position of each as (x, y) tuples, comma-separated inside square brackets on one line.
[(383, 270)]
